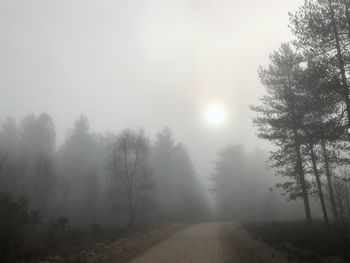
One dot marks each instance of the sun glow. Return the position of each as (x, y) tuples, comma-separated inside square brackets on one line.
[(215, 115)]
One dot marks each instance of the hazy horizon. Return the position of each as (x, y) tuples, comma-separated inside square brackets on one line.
[(143, 64)]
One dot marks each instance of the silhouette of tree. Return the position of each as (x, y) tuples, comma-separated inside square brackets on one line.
[(178, 192), (280, 120), (130, 168)]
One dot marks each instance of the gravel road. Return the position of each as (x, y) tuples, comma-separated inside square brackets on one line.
[(211, 243)]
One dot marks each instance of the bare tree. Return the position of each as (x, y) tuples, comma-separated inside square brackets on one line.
[(129, 164)]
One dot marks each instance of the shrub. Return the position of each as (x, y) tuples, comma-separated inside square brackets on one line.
[(14, 217)]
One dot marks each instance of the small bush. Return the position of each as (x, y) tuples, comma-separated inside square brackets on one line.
[(57, 231), (96, 231), (14, 217), (304, 242)]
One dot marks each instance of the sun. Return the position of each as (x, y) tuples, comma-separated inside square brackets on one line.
[(215, 115)]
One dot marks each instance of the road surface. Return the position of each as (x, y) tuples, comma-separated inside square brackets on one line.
[(211, 243)]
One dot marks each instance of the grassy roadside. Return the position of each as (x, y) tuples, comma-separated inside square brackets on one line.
[(123, 249), (305, 243)]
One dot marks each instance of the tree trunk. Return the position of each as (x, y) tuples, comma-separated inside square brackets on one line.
[(131, 211), (319, 185), (329, 181), (341, 65), (347, 14), (300, 171), (342, 216), (346, 190)]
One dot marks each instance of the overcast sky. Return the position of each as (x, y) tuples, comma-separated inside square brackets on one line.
[(141, 63)]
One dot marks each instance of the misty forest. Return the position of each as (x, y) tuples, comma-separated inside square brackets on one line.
[(175, 131)]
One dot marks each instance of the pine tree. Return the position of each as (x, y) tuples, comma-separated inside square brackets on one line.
[(280, 120)]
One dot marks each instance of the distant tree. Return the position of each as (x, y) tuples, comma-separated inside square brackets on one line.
[(79, 168), (178, 190), (190, 199), (341, 194), (130, 168), (240, 183), (227, 182), (10, 180), (164, 172), (38, 146)]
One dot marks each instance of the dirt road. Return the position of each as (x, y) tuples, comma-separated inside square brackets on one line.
[(211, 243)]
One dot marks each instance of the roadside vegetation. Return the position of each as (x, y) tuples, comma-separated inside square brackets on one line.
[(303, 243), (305, 111), (92, 188), (70, 201)]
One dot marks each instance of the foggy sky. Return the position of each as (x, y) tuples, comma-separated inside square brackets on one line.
[(141, 63)]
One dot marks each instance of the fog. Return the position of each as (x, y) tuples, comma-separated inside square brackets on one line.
[(143, 64), (138, 64), (135, 119)]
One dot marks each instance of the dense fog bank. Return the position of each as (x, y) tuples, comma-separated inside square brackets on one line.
[(110, 179), (244, 188)]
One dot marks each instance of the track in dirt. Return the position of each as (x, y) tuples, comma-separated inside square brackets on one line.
[(211, 243)]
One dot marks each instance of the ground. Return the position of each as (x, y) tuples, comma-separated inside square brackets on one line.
[(211, 243), (304, 243), (215, 242)]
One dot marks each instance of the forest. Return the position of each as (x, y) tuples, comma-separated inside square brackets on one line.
[(101, 186), (91, 180), (306, 110), (305, 113), (129, 194)]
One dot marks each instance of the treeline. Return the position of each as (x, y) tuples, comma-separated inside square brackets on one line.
[(241, 184), (305, 112), (91, 179)]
